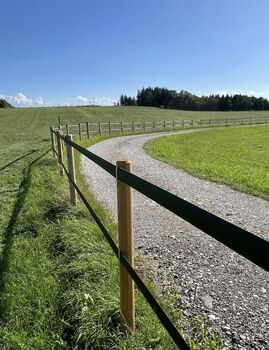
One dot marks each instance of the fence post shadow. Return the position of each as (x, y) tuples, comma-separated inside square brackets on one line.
[(8, 233), (17, 159)]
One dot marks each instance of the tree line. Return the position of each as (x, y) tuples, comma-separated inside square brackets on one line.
[(5, 104), (171, 99)]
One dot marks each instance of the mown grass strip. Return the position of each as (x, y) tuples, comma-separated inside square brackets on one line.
[(237, 157)]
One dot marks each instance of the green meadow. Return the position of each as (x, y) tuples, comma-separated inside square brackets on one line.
[(237, 157), (58, 276), (45, 117)]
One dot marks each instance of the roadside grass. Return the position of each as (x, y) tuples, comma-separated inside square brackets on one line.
[(237, 157), (58, 277)]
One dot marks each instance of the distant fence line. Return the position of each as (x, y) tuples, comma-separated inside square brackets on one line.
[(109, 128)]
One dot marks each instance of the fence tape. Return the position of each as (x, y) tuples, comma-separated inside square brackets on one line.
[(243, 242), (167, 323)]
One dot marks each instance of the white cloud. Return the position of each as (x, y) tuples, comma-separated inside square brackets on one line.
[(39, 101), (257, 94), (103, 101), (81, 99), (222, 92), (20, 99)]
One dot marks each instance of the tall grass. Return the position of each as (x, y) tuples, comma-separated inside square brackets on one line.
[(58, 276)]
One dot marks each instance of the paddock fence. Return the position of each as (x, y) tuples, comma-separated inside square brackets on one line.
[(239, 240), (109, 128)]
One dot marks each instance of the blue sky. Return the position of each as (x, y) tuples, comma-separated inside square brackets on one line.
[(65, 52)]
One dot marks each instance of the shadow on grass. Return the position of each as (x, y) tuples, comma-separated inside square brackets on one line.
[(9, 234), (16, 160)]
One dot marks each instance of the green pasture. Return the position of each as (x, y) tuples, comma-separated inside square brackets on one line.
[(58, 276), (237, 157), (23, 118)]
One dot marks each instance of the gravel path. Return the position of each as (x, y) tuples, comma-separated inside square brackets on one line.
[(214, 281)]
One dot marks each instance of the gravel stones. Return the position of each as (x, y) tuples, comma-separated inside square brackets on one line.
[(212, 279), (208, 301)]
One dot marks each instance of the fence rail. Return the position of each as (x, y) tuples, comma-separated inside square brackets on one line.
[(241, 241), (160, 313), (108, 128)]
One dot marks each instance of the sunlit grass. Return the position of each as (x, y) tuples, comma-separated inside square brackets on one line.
[(237, 157)]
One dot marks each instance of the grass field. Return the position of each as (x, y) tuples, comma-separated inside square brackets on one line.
[(237, 157), (49, 116), (58, 277)]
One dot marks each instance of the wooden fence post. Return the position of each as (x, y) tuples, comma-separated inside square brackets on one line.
[(60, 129), (121, 127), (60, 152), (133, 126), (153, 125), (66, 129), (71, 170), (173, 124), (144, 126), (164, 124), (192, 123), (99, 129), (79, 131), (182, 123), (125, 227), (52, 142), (109, 128), (88, 131)]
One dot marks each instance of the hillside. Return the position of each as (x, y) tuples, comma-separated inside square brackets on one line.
[(36, 121)]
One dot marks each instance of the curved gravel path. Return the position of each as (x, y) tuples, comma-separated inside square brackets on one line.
[(214, 281)]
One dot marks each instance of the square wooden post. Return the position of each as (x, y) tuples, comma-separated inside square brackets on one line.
[(88, 131), (125, 227), (52, 142), (60, 152), (71, 170), (79, 131)]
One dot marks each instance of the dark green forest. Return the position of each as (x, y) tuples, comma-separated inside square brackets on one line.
[(5, 104), (184, 100)]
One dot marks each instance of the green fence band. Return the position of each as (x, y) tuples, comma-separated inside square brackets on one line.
[(243, 242), (168, 325)]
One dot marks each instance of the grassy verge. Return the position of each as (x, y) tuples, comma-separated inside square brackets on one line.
[(237, 157), (58, 277)]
